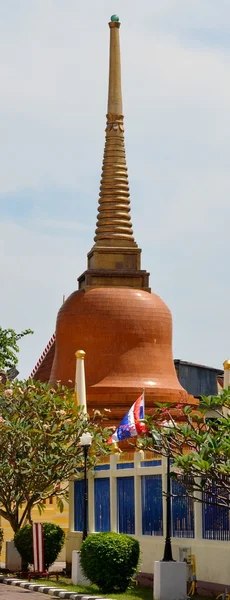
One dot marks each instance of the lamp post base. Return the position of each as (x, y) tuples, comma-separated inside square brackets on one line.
[(170, 580), (84, 535), (168, 557)]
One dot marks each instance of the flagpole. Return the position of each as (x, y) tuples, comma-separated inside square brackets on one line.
[(143, 394)]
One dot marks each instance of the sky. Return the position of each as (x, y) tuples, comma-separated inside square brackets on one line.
[(176, 98)]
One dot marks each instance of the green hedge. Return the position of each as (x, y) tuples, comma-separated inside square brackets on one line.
[(110, 560), (54, 538)]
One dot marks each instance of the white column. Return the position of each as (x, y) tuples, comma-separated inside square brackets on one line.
[(138, 457), (198, 515), (164, 490), (80, 390), (91, 523), (71, 505), (113, 491)]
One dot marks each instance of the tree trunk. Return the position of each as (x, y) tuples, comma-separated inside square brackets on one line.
[(25, 566)]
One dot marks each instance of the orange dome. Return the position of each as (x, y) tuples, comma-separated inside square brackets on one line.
[(127, 336)]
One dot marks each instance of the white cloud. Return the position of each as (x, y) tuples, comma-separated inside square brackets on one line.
[(54, 85), (36, 271), (63, 225)]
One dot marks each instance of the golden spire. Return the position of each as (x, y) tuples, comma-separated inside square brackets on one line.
[(115, 259), (114, 227)]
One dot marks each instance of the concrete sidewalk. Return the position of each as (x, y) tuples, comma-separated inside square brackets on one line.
[(17, 585), (10, 593)]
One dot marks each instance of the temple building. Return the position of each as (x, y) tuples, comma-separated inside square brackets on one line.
[(124, 328), (126, 332)]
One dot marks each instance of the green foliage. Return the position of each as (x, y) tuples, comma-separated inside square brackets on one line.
[(9, 347), (54, 538), (24, 544), (110, 560), (199, 442), (40, 429)]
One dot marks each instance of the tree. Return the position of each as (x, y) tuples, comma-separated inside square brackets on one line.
[(40, 429), (198, 441), (9, 347)]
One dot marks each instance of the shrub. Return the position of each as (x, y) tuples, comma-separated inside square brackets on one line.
[(54, 538), (110, 560)]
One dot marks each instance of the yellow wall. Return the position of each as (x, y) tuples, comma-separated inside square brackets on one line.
[(51, 514)]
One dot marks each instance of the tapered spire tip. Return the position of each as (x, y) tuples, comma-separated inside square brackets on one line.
[(114, 221)]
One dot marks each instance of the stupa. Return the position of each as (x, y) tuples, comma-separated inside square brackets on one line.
[(124, 328)]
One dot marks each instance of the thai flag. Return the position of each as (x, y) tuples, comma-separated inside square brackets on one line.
[(132, 424)]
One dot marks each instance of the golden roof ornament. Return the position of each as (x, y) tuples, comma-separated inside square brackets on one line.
[(226, 365), (113, 220)]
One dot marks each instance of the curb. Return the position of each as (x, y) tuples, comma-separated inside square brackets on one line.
[(45, 589)]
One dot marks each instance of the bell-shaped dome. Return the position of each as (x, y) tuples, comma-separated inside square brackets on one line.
[(127, 336)]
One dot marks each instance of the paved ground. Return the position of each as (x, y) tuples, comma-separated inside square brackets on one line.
[(14, 589), (9, 592)]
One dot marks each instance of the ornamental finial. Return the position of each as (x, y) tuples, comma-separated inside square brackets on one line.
[(226, 365), (80, 354)]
